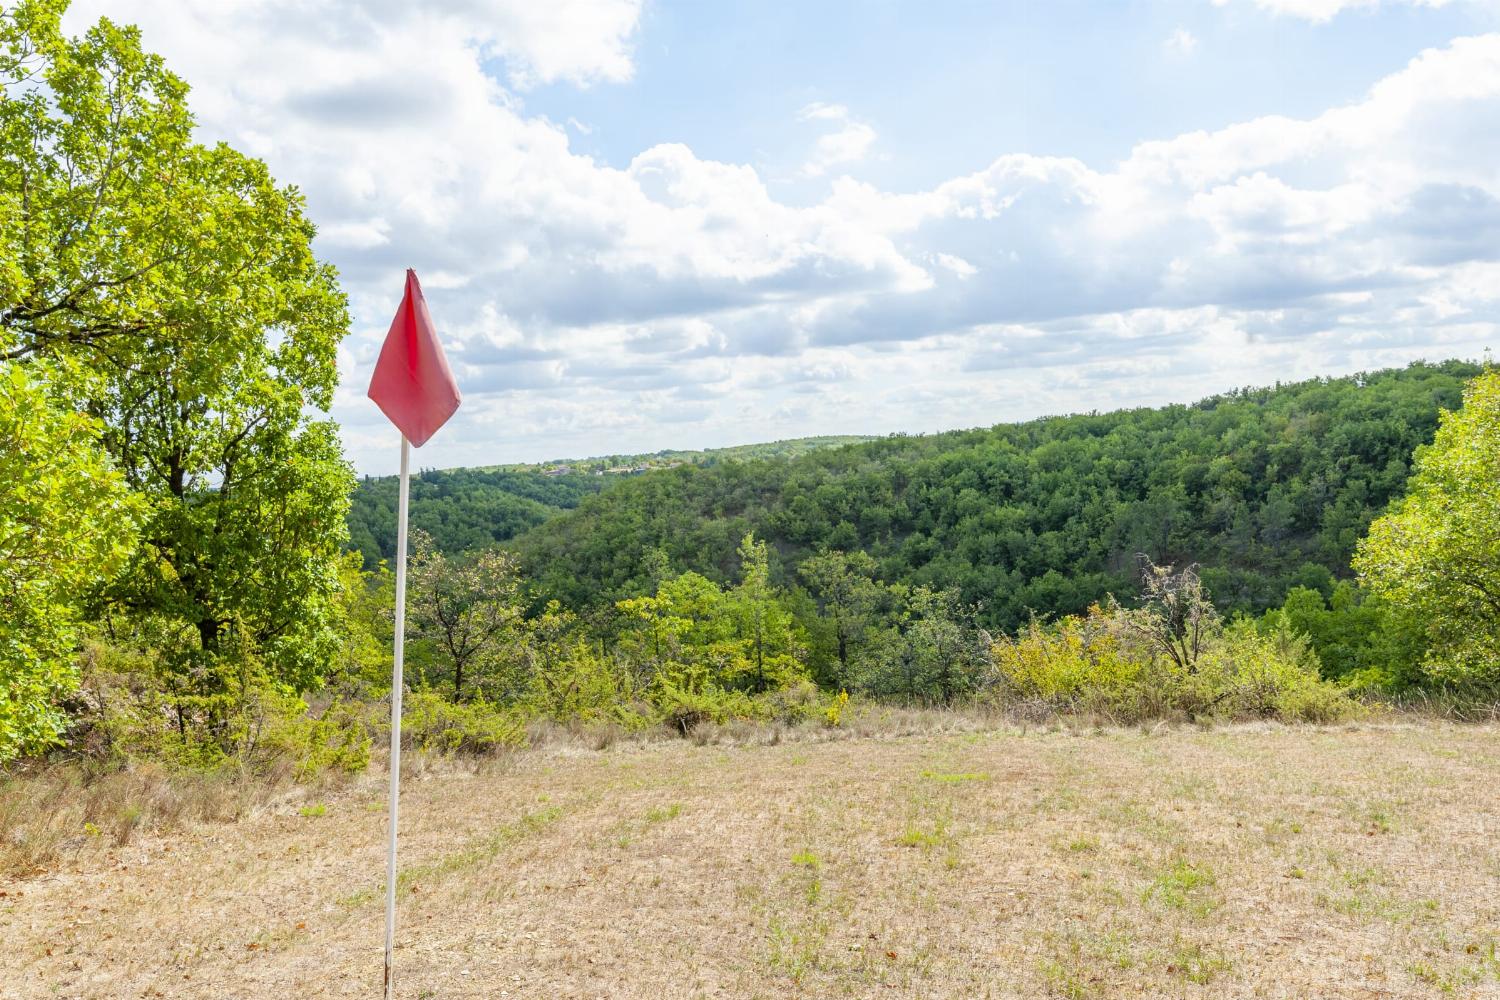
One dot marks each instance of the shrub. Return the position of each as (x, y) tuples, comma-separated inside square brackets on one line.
[(336, 739), (685, 699), (833, 715), (1250, 673), (126, 712), (796, 703), (1080, 664), (568, 680), (431, 722), (1101, 664)]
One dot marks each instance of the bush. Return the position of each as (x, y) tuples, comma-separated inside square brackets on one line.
[(431, 722), (1099, 664), (125, 712), (336, 739), (1075, 665), (796, 703), (569, 681), (1255, 674), (685, 699), (833, 715)]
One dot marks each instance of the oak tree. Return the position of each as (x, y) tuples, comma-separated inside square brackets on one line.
[(172, 287)]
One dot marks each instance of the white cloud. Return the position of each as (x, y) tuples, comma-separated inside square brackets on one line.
[(1181, 42), (957, 265), (589, 307), (849, 141), (577, 40), (1323, 11)]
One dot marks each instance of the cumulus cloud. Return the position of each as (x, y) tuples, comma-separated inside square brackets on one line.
[(588, 306), (848, 140)]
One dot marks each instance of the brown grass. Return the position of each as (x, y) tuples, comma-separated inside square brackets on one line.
[(52, 815), (1257, 860)]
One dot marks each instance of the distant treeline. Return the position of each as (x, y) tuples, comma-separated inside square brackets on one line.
[(790, 448), (467, 509), (1267, 489), (462, 509)]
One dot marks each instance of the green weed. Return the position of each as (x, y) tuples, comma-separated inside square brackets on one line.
[(1183, 886), (660, 814), (955, 778)]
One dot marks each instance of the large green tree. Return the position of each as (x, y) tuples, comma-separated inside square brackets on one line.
[(1435, 557), (173, 287), (66, 525)]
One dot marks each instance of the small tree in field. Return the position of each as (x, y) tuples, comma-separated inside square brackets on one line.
[(464, 608), (773, 649), (1176, 617), (848, 599)]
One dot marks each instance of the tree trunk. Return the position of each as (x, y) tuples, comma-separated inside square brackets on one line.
[(208, 634)]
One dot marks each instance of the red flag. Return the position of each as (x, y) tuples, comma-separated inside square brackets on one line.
[(412, 383)]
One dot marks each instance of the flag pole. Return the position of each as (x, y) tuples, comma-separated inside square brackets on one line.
[(414, 387), (400, 643)]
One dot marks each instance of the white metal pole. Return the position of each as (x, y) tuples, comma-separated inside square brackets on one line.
[(400, 643)]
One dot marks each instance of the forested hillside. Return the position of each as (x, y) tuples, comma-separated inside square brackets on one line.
[(465, 509), (1265, 488), (461, 508)]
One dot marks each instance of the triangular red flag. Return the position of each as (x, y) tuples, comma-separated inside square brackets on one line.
[(412, 383)]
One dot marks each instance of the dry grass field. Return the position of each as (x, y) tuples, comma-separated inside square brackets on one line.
[(1252, 861)]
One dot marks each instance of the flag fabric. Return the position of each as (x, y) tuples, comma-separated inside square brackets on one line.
[(412, 384)]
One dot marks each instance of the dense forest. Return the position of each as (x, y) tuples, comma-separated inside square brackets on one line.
[(466, 509), (463, 508), (1266, 489)]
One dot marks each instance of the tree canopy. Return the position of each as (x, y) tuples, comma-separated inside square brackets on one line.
[(462, 509), (66, 525), (1265, 489), (171, 288), (1436, 556)]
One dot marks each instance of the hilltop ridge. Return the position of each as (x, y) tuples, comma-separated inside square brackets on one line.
[(1266, 488)]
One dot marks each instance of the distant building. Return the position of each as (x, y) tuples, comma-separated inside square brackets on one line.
[(558, 470)]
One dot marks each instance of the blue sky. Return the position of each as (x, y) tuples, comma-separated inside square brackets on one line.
[(949, 85), (657, 224)]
